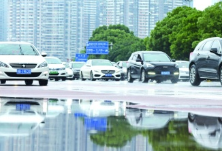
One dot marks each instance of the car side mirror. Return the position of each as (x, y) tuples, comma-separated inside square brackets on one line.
[(214, 50), (44, 54), (173, 60)]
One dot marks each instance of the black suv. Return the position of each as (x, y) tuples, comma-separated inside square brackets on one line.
[(206, 61), (154, 65)]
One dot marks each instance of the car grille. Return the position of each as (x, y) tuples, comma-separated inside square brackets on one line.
[(14, 74), (108, 71), (23, 65), (159, 69)]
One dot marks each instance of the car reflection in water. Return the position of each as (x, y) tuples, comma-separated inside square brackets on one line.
[(95, 113), (206, 130), (55, 107), (21, 116), (148, 119)]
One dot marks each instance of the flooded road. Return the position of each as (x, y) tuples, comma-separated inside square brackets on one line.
[(84, 125)]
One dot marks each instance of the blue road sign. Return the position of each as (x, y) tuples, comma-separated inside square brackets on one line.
[(81, 57), (97, 47)]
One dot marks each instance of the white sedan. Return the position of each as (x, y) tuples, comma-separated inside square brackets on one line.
[(99, 69)]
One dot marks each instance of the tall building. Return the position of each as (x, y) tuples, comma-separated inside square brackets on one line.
[(61, 28), (3, 20)]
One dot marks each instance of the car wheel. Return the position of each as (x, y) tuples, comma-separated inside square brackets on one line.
[(3, 81), (91, 76), (174, 80), (220, 75), (81, 77), (63, 79), (144, 79), (28, 82), (194, 76), (158, 81), (43, 82), (129, 78)]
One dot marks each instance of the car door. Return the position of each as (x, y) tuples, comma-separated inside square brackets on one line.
[(133, 68), (86, 69), (213, 61), (201, 59)]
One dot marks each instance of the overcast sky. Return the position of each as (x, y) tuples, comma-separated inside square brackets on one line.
[(201, 4)]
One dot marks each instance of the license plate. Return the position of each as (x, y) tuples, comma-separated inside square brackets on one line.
[(23, 71), (22, 107), (165, 73), (108, 75), (53, 72)]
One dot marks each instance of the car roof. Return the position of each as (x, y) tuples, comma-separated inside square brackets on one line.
[(148, 52), (14, 42)]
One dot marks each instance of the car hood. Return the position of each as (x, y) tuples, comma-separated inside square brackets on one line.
[(56, 66), (21, 59), (104, 68), (162, 63)]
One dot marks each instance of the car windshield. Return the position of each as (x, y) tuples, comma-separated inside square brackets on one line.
[(156, 57), (53, 61), (17, 49), (77, 65), (183, 64), (124, 64), (101, 63)]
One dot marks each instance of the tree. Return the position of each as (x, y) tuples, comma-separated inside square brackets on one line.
[(124, 42), (210, 23), (176, 33)]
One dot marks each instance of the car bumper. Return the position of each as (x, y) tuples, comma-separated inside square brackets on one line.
[(157, 75), (104, 76), (36, 74), (60, 74), (184, 76)]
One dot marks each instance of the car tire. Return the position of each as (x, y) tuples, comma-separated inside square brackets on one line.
[(129, 78), (194, 76), (63, 79), (174, 80), (144, 79), (158, 81), (43, 82), (220, 75), (28, 82), (3, 81), (81, 77), (91, 77)]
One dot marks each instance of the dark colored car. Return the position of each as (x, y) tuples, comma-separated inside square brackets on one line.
[(206, 61), (75, 66), (154, 65)]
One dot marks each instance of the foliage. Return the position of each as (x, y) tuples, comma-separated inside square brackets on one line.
[(124, 42), (176, 33), (117, 135), (210, 23)]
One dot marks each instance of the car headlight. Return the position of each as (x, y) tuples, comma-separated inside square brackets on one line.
[(96, 70), (149, 65), (3, 65), (42, 65)]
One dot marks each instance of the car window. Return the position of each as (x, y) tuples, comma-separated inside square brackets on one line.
[(207, 46), (17, 49), (183, 64), (156, 57), (53, 61), (134, 57), (216, 44), (124, 64), (77, 65), (101, 63), (199, 46)]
